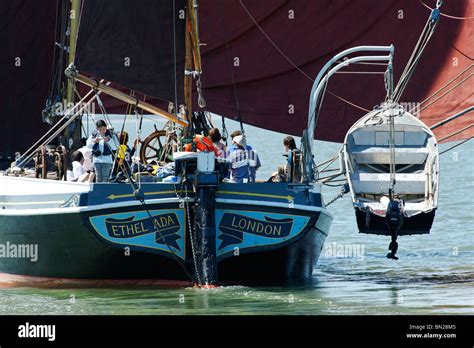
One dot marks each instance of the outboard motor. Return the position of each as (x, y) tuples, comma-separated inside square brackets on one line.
[(394, 219)]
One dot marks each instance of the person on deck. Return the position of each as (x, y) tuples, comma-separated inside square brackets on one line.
[(232, 136), (244, 163), (281, 175), (102, 142), (78, 174), (124, 156), (201, 143), (216, 138)]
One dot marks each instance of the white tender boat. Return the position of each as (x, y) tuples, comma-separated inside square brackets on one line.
[(392, 171)]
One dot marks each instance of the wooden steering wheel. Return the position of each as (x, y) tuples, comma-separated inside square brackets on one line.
[(158, 146)]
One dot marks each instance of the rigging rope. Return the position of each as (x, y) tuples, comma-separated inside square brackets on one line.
[(444, 14), (420, 46), (293, 64), (447, 92), (447, 84), (138, 194), (457, 132), (344, 189), (229, 59), (458, 144)]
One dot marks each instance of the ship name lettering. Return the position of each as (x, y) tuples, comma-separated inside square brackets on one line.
[(256, 227), (129, 229), (164, 221)]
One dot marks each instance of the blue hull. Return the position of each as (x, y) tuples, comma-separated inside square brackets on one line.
[(264, 233)]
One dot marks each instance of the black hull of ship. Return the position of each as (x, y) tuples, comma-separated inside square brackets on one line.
[(67, 249)]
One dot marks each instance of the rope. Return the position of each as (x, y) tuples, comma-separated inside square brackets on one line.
[(229, 59), (392, 150), (201, 101), (452, 118), (420, 46), (225, 134), (446, 85), (361, 72), (291, 62), (42, 140), (457, 132), (447, 92), (330, 161), (445, 15), (141, 198), (364, 63), (342, 192), (458, 144), (348, 102), (191, 236)]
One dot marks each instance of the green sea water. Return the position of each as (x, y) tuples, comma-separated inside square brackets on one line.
[(434, 275)]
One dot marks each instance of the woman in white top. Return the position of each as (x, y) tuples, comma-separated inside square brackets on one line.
[(77, 173)]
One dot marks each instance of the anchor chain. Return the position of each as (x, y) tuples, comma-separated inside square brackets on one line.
[(190, 229), (344, 189)]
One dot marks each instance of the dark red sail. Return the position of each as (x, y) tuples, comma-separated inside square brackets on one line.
[(277, 60), (137, 44), (26, 59), (273, 49)]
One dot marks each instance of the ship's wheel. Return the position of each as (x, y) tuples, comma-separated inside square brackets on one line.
[(158, 146)]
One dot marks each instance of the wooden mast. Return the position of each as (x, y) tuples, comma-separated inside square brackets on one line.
[(192, 63), (188, 67), (73, 31)]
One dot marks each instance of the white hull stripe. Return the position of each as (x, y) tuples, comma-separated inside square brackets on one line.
[(31, 203), (75, 210)]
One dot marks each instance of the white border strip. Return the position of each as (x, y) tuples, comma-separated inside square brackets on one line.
[(31, 203), (73, 210)]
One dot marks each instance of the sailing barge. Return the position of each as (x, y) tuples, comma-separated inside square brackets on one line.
[(199, 228)]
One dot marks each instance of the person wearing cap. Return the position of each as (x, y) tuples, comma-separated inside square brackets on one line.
[(244, 163), (232, 147)]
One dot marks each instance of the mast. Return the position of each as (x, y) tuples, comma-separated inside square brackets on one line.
[(207, 179), (188, 77), (75, 135), (192, 63)]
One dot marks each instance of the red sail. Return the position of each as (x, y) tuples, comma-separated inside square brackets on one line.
[(275, 48), (278, 55)]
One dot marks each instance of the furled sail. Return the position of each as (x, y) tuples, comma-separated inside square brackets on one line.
[(136, 44)]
